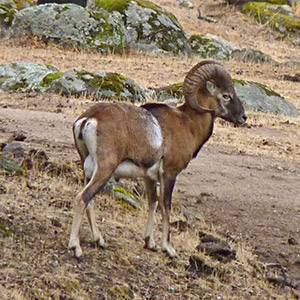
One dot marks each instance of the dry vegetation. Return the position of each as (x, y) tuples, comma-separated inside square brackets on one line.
[(36, 209)]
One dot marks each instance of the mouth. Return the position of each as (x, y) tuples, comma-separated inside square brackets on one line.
[(240, 121)]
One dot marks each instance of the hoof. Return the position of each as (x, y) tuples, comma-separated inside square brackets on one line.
[(79, 259), (101, 244), (150, 244), (170, 252), (76, 249), (153, 249)]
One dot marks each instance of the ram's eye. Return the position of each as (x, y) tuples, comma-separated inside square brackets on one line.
[(226, 97)]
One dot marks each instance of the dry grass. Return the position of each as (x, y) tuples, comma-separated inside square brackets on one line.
[(35, 262), (296, 9)]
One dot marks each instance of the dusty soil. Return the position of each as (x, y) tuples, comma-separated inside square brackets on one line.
[(244, 185)]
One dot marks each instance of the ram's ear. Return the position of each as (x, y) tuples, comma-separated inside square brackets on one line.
[(211, 87)]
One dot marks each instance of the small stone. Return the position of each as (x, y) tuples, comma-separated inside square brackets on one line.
[(292, 241)]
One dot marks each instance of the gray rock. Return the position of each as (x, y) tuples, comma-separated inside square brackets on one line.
[(252, 55), (185, 3), (72, 25), (24, 76), (15, 149), (211, 46), (99, 85), (149, 27), (82, 3), (258, 97)]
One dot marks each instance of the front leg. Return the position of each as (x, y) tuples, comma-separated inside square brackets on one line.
[(166, 190)]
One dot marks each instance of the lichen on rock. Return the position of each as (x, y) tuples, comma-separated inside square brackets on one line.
[(25, 76), (210, 46), (71, 25), (279, 17), (8, 9), (149, 27), (99, 85)]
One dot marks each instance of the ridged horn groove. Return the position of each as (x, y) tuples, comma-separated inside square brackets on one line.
[(196, 79)]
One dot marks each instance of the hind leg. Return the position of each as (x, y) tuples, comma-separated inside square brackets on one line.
[(90, 212), (97, 182), (96, 235)]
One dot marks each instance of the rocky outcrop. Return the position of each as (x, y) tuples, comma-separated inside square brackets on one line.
[(30, 76), (149, 27), (112, 26), (72, 25)]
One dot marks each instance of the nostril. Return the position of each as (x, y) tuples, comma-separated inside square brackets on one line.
[(244, 118)]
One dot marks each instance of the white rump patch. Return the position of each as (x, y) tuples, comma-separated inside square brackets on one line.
[(89, 136)]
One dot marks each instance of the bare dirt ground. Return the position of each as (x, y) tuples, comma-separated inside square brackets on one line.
[(244, 185)]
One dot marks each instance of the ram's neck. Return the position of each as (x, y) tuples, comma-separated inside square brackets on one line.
[(199, 124)]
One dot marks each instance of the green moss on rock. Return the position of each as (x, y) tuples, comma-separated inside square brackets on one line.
[(203, 46), (265, 88), (113, 82), (8, 9), (47, 80), (151, 27), (110, 36), (171, 91), (18, 86), (274, 16)]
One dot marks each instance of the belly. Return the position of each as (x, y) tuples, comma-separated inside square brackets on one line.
[(128, 169)]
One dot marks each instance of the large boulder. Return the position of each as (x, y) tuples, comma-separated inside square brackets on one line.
[(258, 97), (72, 25), (99, 85), (25, 76), (149, 27)]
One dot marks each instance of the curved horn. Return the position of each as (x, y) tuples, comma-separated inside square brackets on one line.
[(197, 78)]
